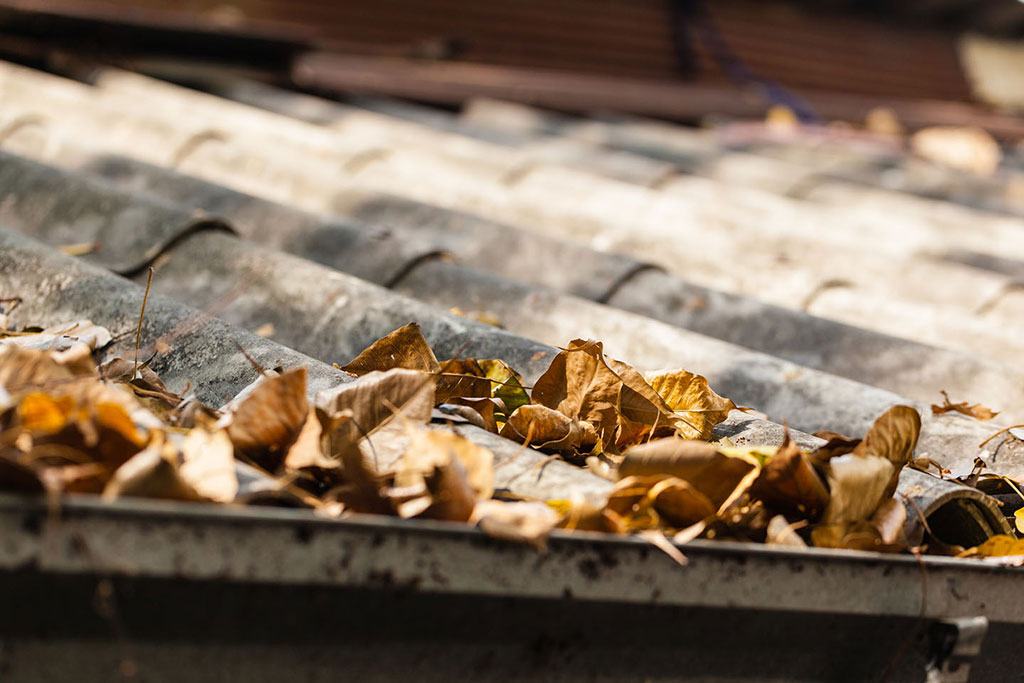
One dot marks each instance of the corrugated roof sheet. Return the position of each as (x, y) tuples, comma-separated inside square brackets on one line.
[(338, 231)]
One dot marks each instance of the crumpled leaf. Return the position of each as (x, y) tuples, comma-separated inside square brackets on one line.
[(644, 503), (857, 486), (580, 385), (442, 476), (548, 429), (208, 465), (892, 436), (698, 463), (527, 522), (977, 411), (789, 483), (267, 421), (690, 397), (61, 337), (404, 348), (151, 473), (372, 413)]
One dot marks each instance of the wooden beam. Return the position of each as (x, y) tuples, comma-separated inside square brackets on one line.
[(450, 83)]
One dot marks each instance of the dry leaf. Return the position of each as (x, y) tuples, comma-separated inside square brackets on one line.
[(546, 428), (893, 436), (701, 464), (307, 451), (208, 465), (644, 503), (857, 486), (482, 378), (835, 444), (61, 337), (403, 348), (452, 384), (977, 411), (151, 473), (1000, 545), (26, 369), (580, 385), (442, 476), (264, 425), (690, 397), (146, 386), (789, 483), (506, 385), (882, 533), (476, 411), (373, 412), (521, 521)]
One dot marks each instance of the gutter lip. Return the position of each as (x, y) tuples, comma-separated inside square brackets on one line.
[(720, 574)]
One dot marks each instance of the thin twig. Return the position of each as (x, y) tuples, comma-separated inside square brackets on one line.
[(138, 332), (1001, 431), (252, 361)]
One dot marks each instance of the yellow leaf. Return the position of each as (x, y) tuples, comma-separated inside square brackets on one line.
[(1000, 545), (113, 417), (39, 412), (691, 398)]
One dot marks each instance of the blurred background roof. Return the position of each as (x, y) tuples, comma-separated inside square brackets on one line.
[(909, 50)]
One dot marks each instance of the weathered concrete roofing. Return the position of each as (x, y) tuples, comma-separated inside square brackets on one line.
[(194, 122), (332, 316), (337, 233)]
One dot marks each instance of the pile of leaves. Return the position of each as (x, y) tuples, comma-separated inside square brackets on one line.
[(839, 496), (373, 445)]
